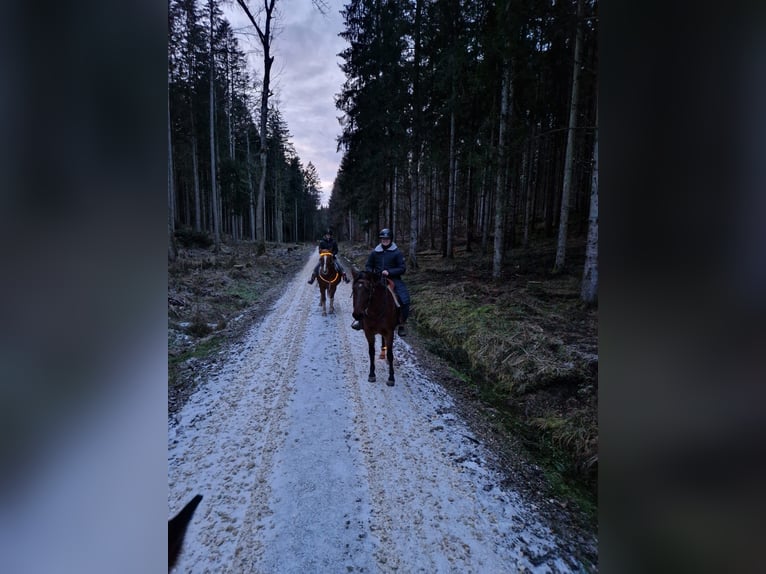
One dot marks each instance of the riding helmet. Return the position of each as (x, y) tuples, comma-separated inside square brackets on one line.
[(386, 234), (328, 232)]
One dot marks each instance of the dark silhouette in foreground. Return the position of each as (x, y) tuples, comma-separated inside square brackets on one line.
[(177, 529)]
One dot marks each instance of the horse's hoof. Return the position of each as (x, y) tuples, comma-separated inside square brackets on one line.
[(390, 383), (371, 378)]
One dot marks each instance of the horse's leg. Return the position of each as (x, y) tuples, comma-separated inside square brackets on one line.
[(371, 347), (332, 299), (390, 357), (322, 302), (382, 347)]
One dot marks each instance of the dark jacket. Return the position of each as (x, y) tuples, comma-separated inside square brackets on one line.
[(391, 260), (328, 245)]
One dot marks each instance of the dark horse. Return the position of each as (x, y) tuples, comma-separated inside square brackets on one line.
[(329, 277), (376, 308)]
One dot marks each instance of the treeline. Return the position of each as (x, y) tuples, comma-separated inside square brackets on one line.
[(214, 143), (470, 121)]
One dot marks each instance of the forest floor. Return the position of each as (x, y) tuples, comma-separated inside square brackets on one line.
[(520, 354), (523, 350)]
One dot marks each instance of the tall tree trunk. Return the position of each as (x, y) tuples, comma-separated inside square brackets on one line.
[(484, 207), (451, 184), (415, 152), (230, 102), (261, 205), (265, 38), (486, 194), (529, 211), (566, 192), (251, 191), (589, 290), (171, 192), (279, 210), (195, 177), (527, 186), (432, 204), (195, 159), (506, 95), (549, 162), (213, 182), (469, 201), (512, 191), (414, 209), (394, 191)]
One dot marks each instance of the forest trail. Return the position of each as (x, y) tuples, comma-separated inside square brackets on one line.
[(305, 466)]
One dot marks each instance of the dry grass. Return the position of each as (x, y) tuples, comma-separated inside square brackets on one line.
[(526, 341)]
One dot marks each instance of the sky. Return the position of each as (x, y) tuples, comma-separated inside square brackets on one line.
[(305, 76)]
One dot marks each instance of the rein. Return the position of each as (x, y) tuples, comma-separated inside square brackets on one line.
[(371, 291)]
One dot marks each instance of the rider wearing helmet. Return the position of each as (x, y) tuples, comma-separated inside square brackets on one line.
[(327, 243), (388, 260)]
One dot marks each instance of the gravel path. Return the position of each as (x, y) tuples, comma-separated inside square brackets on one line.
[(307, 467)]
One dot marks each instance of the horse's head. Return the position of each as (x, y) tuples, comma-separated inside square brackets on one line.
[(326, 262), (362, 291)]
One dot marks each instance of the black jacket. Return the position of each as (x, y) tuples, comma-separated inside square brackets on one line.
[(328, 245), (391, 260)]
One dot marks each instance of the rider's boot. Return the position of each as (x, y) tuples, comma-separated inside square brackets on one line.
[(313, 276), (404, 312)]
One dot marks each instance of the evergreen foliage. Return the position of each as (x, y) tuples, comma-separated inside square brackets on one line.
[(421, 105), (291, 202)]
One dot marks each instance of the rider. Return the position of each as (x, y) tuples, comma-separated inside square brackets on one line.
[(327, 243), (387, 260)]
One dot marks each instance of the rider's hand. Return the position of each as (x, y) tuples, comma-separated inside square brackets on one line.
[(385, 273)]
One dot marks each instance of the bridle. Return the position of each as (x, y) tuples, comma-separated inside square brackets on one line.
[(324, 257), (369, 286)]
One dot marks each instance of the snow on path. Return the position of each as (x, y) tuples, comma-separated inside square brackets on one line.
[(306, 467)]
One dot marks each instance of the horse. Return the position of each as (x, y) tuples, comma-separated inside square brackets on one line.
[(177, 529), (329, 277), (377, 309)]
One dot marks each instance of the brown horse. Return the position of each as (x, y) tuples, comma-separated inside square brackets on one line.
[(329, 277), (376, 308)]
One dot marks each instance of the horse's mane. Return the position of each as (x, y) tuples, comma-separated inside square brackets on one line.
[(368, 276)]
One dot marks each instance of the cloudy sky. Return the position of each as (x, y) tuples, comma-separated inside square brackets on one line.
[(305, 76)]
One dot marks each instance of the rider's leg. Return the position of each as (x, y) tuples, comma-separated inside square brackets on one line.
[(314, 274), (340, 268), (404, 312)]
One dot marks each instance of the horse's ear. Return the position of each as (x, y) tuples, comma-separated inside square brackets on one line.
[(354, 273), (177, 529)]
